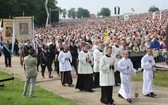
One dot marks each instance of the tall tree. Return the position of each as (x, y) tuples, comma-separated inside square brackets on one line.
[(29, 7), (153, 9), (86, 13), (79, 12), (72, 13), (105, 12), (82, 13)]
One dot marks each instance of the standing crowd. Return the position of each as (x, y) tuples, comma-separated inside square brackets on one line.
[(98, 49)]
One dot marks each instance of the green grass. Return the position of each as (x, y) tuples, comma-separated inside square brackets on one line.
[(160, 78), (11, 94)]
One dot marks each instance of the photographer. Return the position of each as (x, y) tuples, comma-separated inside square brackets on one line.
[(30, 63)]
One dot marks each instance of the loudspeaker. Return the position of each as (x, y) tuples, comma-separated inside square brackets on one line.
[(54, 16), (117, 10)]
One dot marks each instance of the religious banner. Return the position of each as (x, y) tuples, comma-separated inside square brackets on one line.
[(126, 17), (7, 29), (24, 28)]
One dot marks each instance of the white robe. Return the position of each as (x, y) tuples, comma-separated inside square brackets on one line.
[(147, 74), (96, 55), (84, 67), (65, 65), (125, 89), (115, 51), (106, 74)]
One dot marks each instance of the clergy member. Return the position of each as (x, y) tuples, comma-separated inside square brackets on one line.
[(125, 67), (85, 72), (65, 68), (147, 63), (107, 77), (97, 54), (116, 52)]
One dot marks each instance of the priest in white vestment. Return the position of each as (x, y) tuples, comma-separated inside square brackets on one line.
[(148, 63), (116, 52), (85, 71), (107, 77), (65, 59), (125, 67), (97, 54)]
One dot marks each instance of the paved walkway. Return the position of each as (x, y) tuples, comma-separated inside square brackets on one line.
[(84, 98)]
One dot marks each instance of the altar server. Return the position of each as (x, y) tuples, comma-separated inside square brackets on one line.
[(125, 67), (148, 63), (97, 54), (85, 71), (107, 77), (65, 68), (116, 52)]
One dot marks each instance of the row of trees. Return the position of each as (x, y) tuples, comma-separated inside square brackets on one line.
[(83, 13), (73, 13)]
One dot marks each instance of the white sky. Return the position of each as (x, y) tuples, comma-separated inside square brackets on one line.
[(94, 6)]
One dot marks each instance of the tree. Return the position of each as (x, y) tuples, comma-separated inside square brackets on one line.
[(79, 13), (105, 12), (82, 13), (64, 13), (153, 9), (86, 13), (72, 13), (34, 8)]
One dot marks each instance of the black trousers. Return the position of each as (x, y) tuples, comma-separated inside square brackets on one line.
[(43, 67), (96, 79), (75, 65), (85, 82), (57, 67), (106, 94), (66, 77), (7, 60), (117, 77)]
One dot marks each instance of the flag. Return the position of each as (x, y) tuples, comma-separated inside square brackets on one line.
[(105, 37), (132, 9), (13, 36)]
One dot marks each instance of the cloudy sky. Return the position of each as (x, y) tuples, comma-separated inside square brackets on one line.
[(94, 6)]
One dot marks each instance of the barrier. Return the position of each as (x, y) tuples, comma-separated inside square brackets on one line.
[(7, 79)]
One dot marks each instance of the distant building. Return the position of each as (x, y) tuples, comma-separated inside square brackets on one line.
[(92, 16)]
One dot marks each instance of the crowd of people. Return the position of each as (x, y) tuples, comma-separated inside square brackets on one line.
[(98, 49)]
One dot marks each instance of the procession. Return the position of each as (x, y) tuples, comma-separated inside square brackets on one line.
[(102, 53)]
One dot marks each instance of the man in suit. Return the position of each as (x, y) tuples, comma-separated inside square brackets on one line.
[(7, 53), (74, 52), (31, 72)]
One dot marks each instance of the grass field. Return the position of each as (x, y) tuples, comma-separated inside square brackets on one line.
[(160, 78), (11, 94)]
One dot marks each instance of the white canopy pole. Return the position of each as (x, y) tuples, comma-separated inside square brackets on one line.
[(46, 12)]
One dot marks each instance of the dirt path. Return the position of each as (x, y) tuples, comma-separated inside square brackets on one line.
[(84, 98)]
